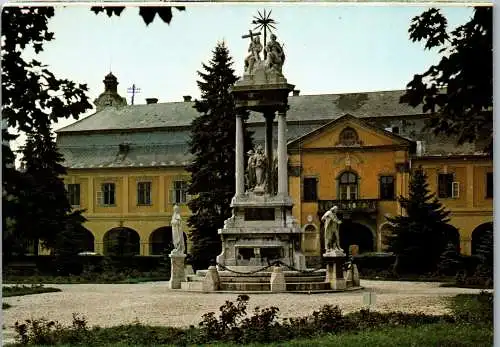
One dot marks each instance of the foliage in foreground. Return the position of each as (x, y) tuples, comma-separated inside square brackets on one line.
[(459, 89), (27, 290), (234, 326)]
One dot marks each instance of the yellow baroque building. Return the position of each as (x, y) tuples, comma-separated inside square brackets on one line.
[(356, 151)]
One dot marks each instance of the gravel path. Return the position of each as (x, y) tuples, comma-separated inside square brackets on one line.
[(153, 303)]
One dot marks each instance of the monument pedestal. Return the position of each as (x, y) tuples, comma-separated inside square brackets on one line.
[(177, 274), (334, 269)]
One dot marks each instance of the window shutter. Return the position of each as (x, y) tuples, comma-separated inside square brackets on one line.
[(171, 196), (455, 191), (99, 196)]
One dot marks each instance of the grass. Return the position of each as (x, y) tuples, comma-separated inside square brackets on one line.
[(442, 335), (27, 290), (5, 306), (81, 280)]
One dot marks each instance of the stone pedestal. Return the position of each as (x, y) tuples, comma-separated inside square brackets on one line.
[(278, 283), (334, 269), (211, 282), (177, 274)]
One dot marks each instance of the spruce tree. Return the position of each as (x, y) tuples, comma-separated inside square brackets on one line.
[(418, 238), (213, 168), (46, 212)]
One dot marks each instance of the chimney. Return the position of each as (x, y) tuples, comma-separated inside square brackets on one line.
[(151, 101), (296, 92), (187, 98)]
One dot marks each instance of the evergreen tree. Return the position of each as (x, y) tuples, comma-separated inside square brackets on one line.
[(418, 238), (213, 168), (450, 261), (46, 212)]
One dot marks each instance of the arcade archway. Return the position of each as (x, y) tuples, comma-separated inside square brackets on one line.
[(451, 235), (121, 241), (160, 240), (86, 240), (352, 233), (480, 235)]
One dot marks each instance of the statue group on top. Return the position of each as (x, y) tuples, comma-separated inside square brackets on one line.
[(275, 56)]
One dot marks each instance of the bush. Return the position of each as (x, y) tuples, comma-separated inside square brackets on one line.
[(18, 290), (233, 325)]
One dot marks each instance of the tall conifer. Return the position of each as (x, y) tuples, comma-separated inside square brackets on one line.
[(213, 168), (418, 238)]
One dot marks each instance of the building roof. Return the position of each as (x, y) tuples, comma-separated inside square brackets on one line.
[(302, 108)]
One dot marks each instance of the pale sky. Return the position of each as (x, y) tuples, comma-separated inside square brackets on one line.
[(329, 48)]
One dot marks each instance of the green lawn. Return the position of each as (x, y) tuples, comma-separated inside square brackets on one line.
[(26, 290)]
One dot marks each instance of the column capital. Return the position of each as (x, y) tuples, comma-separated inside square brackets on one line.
[(282, 110)]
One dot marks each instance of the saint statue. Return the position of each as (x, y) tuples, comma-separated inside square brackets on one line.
[(331, 226), (254, 49), (257, 168), (275, 55), (177, 233)]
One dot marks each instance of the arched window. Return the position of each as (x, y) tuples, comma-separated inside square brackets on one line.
[(348, 186), (348, 137)]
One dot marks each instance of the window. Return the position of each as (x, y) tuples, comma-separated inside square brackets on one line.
[(489, 184), (387, 187), (144, 193), (179, 193), (73, 193), (310, 189), (445, 185), (108, 194), (348, 186), (348, 137)]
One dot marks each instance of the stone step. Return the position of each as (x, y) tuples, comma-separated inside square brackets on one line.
[(266, 279), (192, 286), (194, 278), (245, 286), (308, 286)]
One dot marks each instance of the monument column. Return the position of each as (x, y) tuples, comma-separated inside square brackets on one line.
[(282, 155), (240, 166), (269, 116)]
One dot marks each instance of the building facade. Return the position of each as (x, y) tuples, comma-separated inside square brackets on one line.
[(126, 168)]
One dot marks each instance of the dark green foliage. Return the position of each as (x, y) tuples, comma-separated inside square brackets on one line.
[(18, 290), (233, 326), (147, 13), (473, 308), (5, 306), (459, 89), (212, 144), (450, 261), (418, 238), (33, 98)]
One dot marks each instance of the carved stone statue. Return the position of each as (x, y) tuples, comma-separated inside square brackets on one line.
[(275, 55), (331, 226), (250, 176), (254, 49), (257, 169), (177, 233)]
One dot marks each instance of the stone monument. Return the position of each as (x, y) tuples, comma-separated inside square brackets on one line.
[(178, 255), (262, 228), (334, 255)]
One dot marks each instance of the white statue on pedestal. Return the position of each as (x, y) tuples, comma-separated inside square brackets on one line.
[(332, 222), (177, 233)]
